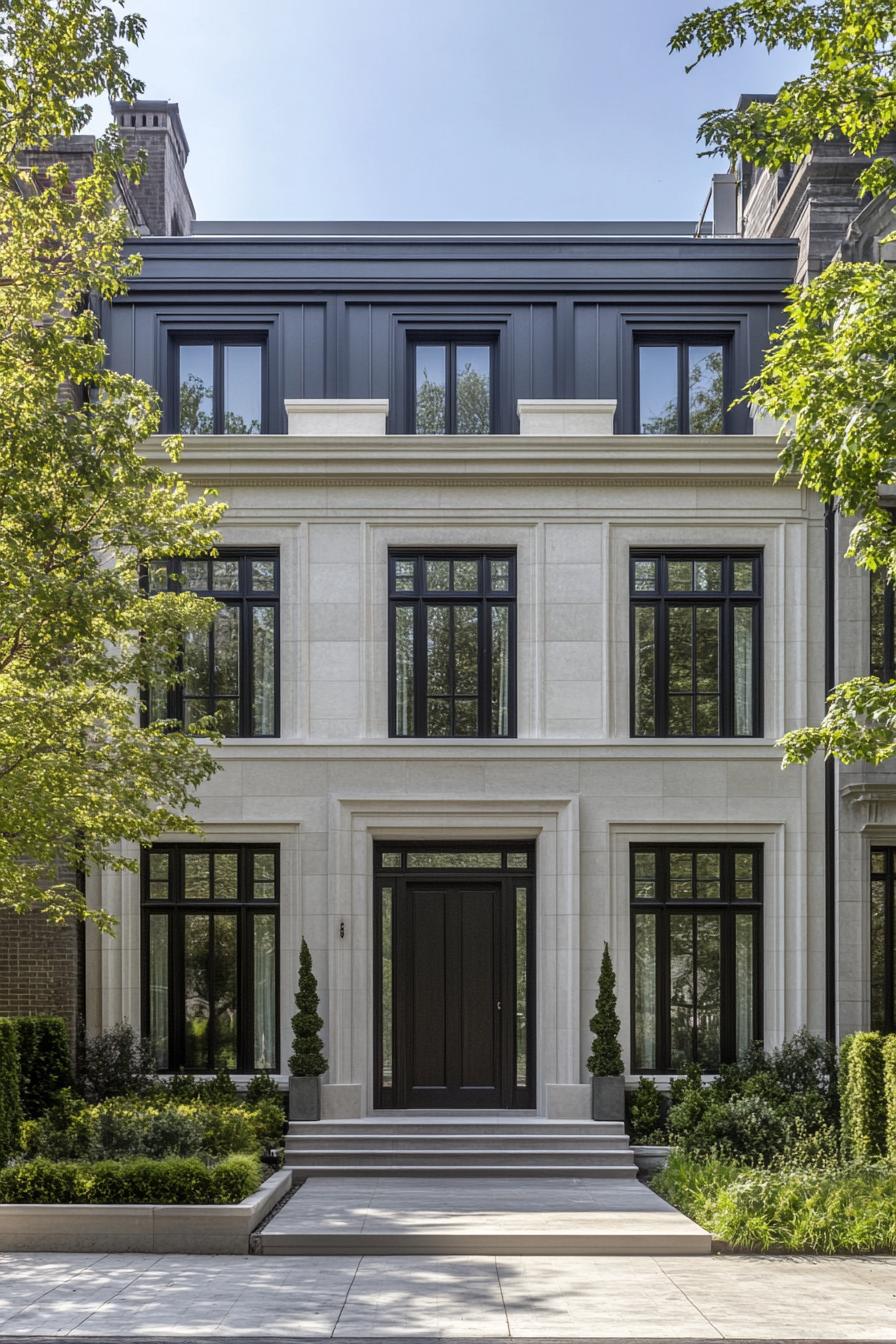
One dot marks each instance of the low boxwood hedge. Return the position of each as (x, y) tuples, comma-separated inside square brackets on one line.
[(174, 1180)]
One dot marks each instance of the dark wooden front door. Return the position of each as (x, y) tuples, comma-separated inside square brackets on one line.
[(454, 975), (449, 966)]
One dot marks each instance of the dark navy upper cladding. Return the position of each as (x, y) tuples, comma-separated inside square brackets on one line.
[(337, 304)]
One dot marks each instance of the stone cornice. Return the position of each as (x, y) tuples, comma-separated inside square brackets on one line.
[(727, 460)]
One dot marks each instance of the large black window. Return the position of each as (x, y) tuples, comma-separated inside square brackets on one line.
[(209, 956), (883, 628), (218, 386), (696, 626), (681, 386), (696, 954), (229, 670), (453, 386), (883, 936), (452, 638)]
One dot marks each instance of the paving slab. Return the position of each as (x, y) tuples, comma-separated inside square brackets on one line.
[(545, 1215)]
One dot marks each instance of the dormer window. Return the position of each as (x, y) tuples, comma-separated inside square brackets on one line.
[(453, 385), (218, 386), (681, 386)]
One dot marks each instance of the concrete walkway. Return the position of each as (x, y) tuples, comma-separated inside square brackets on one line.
[(478, 1297), (493, 1215)]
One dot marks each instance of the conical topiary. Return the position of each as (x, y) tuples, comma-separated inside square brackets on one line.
[(605, 1059), (307, 1059)]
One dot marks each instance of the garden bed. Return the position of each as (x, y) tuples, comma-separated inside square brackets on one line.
[(199, 1229)]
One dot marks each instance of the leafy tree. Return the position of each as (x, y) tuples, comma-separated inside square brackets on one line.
[(473, 408), (605, 1059), (79, 506), (830, 375), (307, 1059)]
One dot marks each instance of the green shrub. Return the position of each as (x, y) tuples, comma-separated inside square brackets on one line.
[(267, 1117), (645, 1113), (829, 1210), (888, 1050), (862, 1109), (45, 1065), (117, 1063), (175, 1180), (263, 1088), (606, 1058), (220, 1089), (10, 1107), (307, 1059), (179, 1087)]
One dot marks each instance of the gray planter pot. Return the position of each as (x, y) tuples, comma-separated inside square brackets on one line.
[(650, 1158), (608, 1097), (304, 1098)]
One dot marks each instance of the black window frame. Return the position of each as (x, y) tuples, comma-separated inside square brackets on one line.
[(451, 340), (174, 908), (727, 599), (486, 598), (683, 342), (882, 663), (246, 599), (883, 1017), (728, 905), (218, 341)]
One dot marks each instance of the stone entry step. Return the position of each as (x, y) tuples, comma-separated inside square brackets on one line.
[(448, 1146), (554, 1216)]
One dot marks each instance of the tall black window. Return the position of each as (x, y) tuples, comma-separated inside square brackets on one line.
[(218, 386), (452, 637), (883, 935), (230, 669), (696, 954), (883, 629), (209, 956), (453, 386), (681, 386), (695, 644)]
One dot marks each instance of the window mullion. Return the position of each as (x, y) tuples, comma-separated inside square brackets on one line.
[(450, 395), (684, 416)]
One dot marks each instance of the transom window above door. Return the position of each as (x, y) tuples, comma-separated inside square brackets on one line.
[(681, 386), (218, 386), (696, 628), (452, 638), (453, 386)]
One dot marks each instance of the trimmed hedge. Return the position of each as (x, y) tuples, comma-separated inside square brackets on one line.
[(175, 1180), (888, 1050), (45, 1065), (10, 1106), (833, 1210), (862, 1106)]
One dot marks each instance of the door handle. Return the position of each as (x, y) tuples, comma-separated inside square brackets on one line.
[(498, 1005)]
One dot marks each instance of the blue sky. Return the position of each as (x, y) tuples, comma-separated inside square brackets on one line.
[(411, 109)]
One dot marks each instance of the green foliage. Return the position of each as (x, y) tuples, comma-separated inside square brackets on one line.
[(261, 1087), (645, 1113), (862, 1104), (761, 1109), (307, 1059), (606, 1057), (81, 505), (889, 1068), (158, 1127), (116, 1063), (221, 1089), (10, 1107), (175, 1180), (826, 1209), (829, 375), (44, 1061)]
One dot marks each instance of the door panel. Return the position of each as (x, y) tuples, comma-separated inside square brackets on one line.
[(448, 971)]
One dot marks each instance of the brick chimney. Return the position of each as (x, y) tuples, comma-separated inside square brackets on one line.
[(162, 195)]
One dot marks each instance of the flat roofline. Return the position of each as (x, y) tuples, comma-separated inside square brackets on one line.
[(443, 228)]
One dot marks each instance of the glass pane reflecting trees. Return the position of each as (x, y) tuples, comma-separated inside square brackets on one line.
[(210, 961), (695, 646), (681, 387), (452, 387), (219, 387), (452, 645), (231, 669), (696, 934)]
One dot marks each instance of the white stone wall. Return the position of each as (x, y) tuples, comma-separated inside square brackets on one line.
[(573, 777)]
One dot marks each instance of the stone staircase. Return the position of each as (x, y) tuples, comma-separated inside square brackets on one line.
[(466, 1145)]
